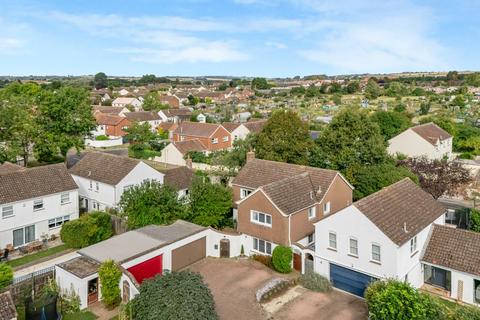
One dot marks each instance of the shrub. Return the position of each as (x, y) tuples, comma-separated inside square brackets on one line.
[(6, 275), (282, 259), (265, 260), (101, 137), (475, 220), (177, 295), (314, 281), (87, 230), (110, 275)]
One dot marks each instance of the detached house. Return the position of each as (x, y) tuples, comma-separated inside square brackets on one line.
[(212, 136), (427, 140), (380, 236), (102, 178), (127, 101), (110, 125), (175, 153), (150, 117), (241, 130), (175, 115), (278, 203), (35, 202)]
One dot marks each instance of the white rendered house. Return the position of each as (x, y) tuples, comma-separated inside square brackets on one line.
[(102, 178), (35, 202)]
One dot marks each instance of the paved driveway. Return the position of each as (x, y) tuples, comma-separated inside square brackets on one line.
[(234, 283)]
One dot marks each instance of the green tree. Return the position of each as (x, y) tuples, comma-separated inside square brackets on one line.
[(110, 274), (89, 229), (6, 275), (351, 139), (209, 203), (236, 158), (473, 79), (260, 84), (370, 179), (475, 220), (140, 133), (372, 89), (459, 101), (285, 137), (150, 203), (152, 102), (100, 80), (352, 87), (176, 295), (282, 259), (67, 115), (444, 122), (425, 108), (391, 123)]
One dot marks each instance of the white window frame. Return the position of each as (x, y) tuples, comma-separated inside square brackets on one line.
[(91, 185), (8, 209), (350, 247), (37, 203), (267, 246), (255, 218), (245, 193), (413, 245), (65, 198), (326, 207), (97, 186), (57, 222), (214, 140), (312, 212), (331, 233), (225, 139), (182, 138), (379, 260), (312, 236)]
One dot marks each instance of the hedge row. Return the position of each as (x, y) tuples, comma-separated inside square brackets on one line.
[(87, 230)]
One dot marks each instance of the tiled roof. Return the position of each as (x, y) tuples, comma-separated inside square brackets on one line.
[(7, 307), (168, 126), (124, 100), (35, 182), (454, 248), (142, 116), (108, 119), (177, 112), (292, 193), (8, 167), (231, 126), (196, 129), (104, 167), (179, 178), (189, 145), (399, 206), (108, 109), (431, 132), (255, 126), (257, 173)]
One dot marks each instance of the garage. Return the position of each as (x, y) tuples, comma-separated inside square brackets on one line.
[(349, 280), (189, 253), (147, 269)]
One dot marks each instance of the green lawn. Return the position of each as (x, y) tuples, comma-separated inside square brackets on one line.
[(35, 256), (82, 315)]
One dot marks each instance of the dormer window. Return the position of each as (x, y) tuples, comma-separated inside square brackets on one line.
[(244, 193)]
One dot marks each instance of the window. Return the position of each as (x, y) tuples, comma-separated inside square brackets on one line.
[(57, 222), (23, 235), (413, 245), (182, 138), (225, 139), (312, 212), (244, 193), (261, 218), (65, 198), (376, 252), (476, 290), (326, 208), (97, 186), (7, 211), (262, 246), (91, 185), (332, 240), (354, 247), (311, 238), (37, 205), (215, 140)]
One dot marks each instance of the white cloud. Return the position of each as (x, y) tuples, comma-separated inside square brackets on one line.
[(276, 45), (10, 45)]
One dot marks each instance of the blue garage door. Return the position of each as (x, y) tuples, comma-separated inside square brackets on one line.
[(349, 280)]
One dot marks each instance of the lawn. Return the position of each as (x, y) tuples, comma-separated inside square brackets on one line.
[(82, 315), (36, 256)]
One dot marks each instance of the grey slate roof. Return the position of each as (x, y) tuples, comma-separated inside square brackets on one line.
[(398, 205), (35, 182), (132, 244), (103, 167), (454, 248)]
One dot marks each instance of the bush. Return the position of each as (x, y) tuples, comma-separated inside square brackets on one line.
[(87, 230), (177, 295), (315, 282), (282, 259), (475, 220), (110, 275), (6, 275), (265, 260), (101, 137)]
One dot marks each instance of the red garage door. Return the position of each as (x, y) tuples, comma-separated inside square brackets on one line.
[(147, 268)]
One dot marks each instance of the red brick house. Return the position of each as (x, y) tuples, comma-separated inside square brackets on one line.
[(212, 136)]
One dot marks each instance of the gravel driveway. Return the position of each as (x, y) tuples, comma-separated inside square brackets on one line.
[(234, 283)]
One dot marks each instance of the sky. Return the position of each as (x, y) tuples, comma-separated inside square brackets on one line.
[(267, 38)]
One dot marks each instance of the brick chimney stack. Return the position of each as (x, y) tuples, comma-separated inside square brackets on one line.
[(250, 155), (188, 163)]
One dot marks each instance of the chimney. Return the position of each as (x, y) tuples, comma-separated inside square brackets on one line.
[(250, 155), (319, 191), (189, 163)]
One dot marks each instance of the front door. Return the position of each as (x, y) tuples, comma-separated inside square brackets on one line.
[(297, 262), (92, 291), (224, 248)]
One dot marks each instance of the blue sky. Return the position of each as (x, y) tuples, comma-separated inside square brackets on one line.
[(237, 37)]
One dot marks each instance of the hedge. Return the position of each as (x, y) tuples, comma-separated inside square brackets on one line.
[(110, 275), (87, 230), (6, 275), (282, 259), (315, 282), (177, 295)]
